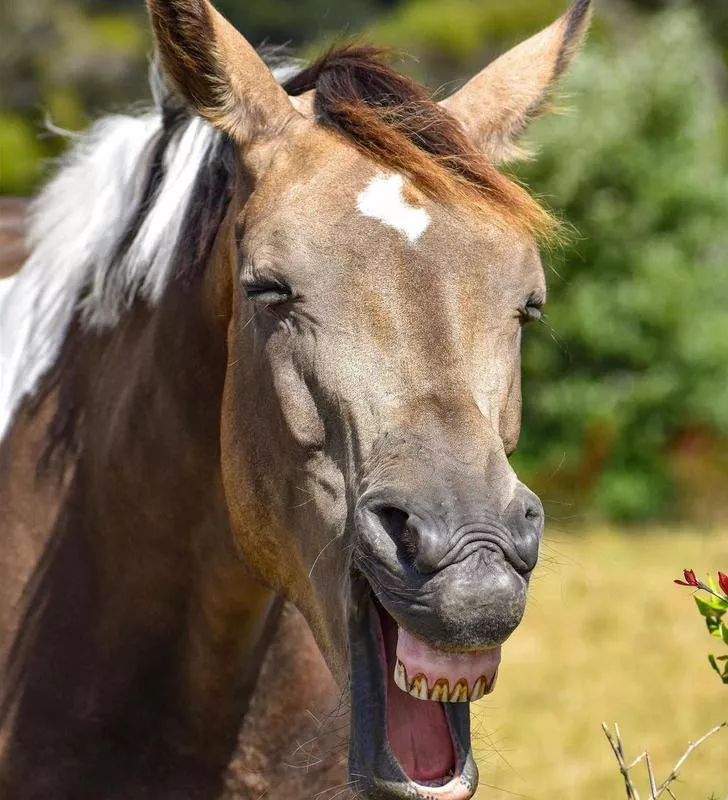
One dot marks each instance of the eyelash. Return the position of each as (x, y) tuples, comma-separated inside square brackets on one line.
[(532, 311), (279, 292)]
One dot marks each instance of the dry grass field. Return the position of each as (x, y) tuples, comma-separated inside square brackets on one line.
[(607, 636)]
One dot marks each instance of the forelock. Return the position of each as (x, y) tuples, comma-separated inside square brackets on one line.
[(395, 122)]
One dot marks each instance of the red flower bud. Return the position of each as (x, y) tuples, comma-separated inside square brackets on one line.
[(690, 579), (723, 581)]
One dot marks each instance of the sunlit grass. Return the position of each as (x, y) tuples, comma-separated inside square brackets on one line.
[(607, 637)]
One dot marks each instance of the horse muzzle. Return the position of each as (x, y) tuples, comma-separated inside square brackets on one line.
[(432, 604)]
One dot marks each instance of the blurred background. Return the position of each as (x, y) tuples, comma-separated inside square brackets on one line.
[(625, 432)]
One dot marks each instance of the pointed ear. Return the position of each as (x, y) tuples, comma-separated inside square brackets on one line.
[(497, 105), (217, 71)]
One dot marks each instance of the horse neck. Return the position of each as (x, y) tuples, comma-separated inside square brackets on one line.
[(159, 465), (139, 611)]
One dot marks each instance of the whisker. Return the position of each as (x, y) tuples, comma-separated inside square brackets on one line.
[(325, 547)]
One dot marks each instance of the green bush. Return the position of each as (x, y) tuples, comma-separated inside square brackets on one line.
[(21, 155), (639, 298)]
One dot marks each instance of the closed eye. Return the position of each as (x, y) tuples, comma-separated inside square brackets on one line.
[(532, 310), (268, 291)]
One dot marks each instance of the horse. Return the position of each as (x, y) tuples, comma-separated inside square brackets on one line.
[(259, 387)]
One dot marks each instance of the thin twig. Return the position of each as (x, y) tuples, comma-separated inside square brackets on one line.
[(615, 742), (651, 776), (692, 747), (637, 760), (616, 745)]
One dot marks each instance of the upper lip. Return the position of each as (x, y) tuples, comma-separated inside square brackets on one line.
[(487, 532), (450, 608), (490, 534)]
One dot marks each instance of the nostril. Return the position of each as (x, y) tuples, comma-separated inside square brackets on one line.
[(395, 522), (533, 513)]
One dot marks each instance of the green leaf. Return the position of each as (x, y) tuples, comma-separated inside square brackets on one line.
[(713, 625), (711, 606), (714, 663), (724, 633)]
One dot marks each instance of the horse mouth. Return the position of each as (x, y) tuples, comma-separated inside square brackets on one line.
[(410, 734)]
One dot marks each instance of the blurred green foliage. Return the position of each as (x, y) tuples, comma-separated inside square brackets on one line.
[(637, 362), (626, 402), (64, 62), (296, 23), (446, 45)]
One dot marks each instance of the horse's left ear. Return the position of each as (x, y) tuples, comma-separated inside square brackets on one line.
[(497, 105), (217, 71)]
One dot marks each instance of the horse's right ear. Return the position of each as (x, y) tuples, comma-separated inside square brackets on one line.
[(499, 103), (217, 71)]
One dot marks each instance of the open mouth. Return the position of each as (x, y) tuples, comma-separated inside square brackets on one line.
[(411, 709)]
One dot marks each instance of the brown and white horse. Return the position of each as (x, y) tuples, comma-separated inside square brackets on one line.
[(259, 383)]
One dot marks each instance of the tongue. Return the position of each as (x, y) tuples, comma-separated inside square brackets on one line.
[(447, 676), (420, 737), (418, 733)]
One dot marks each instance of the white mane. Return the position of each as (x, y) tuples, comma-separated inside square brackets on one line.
[(93, 247)]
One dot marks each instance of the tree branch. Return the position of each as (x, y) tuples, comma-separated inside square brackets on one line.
[(615, 741), (692, 747)]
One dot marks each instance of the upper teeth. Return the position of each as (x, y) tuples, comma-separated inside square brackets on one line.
[(460, 693)]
